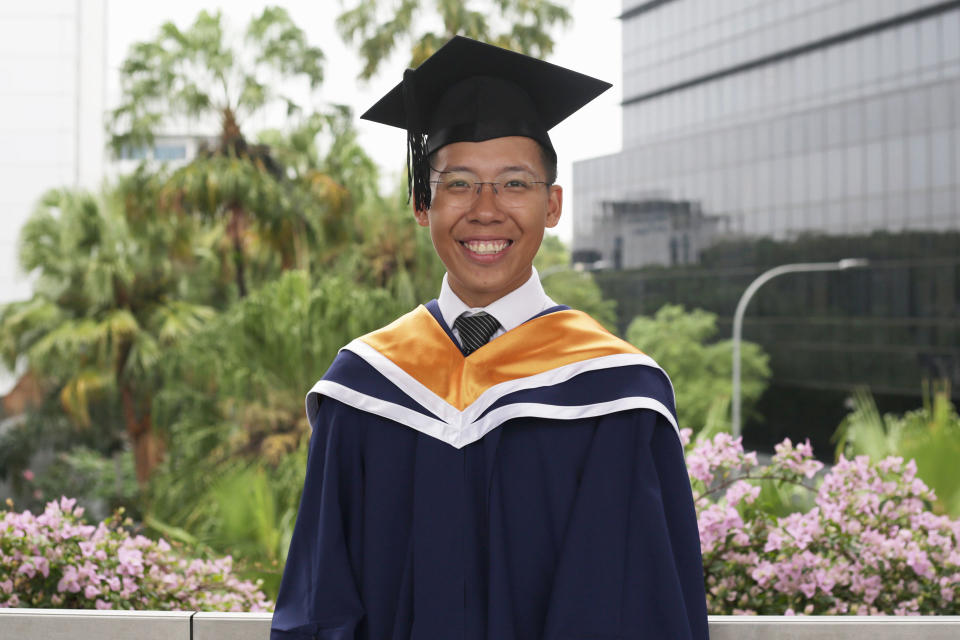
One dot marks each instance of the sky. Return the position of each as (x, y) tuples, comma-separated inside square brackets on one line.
[(590, 44)]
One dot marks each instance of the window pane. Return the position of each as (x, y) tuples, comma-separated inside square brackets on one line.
[(941, 159), (929, 43), (917, 162), (874, 164), (895, 170), (950, 35), (853, 160)]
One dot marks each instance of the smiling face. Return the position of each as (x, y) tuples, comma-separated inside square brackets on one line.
[(488, 243)]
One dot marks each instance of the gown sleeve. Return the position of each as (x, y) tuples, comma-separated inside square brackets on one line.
[(630, 564), (319, 596)]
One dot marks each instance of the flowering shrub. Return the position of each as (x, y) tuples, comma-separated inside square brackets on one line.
[(869, 545), (56, 560)]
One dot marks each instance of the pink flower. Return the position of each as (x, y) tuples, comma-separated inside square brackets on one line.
[(28, 475), (131, 561), (742, 490), (43, 565), (129, 587), (86, 560), (70, 580), (33, 565), (67, 504)]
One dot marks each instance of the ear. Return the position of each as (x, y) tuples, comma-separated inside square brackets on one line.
[(422, 216), (554, 205)]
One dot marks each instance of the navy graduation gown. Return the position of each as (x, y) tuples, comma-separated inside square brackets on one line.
[(580, 528)]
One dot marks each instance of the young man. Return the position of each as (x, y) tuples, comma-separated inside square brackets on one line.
[(491, 465)]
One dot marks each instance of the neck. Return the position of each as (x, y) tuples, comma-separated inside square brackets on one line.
[(476, 299)]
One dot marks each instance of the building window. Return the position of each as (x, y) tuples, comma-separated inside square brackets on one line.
[(133, 153), (167, 152)]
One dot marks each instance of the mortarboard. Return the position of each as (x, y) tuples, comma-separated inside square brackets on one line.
[(469, 91)]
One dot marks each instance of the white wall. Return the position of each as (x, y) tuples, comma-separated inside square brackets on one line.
[(52, 65)]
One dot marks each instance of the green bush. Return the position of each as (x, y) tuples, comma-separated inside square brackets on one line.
[(929, 435), (681, 343)]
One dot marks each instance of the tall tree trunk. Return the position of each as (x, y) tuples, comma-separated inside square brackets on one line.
[(236, 231), (231, 139), (147, 450)]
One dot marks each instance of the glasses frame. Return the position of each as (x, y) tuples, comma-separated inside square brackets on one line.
[(478, 184)]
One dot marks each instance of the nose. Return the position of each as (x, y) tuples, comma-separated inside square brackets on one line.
[(486, 207)]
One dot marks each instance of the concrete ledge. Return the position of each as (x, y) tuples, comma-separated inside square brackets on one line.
[(231, 626), (834, 627), (80, 624), (75, 624)]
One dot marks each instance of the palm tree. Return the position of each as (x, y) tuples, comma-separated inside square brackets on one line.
[(104, 308), (195, 73), (524, 26)]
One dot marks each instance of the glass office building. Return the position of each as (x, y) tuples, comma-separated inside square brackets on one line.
[(775, 118), (752, 126)]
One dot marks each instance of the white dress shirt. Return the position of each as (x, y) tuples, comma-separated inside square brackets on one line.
[(511, 310)]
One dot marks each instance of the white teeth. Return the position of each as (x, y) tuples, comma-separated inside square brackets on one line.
[(486, 247)]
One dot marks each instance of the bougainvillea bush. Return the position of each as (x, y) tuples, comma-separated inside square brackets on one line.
[(57, 560), (868, 545)]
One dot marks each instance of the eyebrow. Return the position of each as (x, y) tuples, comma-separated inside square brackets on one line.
[(466, 169)]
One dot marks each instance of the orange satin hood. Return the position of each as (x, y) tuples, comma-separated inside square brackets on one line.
[(419, 346)]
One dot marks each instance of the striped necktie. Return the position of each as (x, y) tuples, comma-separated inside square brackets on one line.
[(475, 330)]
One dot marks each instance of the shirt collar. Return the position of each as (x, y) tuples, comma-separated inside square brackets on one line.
[(511, 310)]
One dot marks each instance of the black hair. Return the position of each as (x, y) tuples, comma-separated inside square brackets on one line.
[(549, 161)]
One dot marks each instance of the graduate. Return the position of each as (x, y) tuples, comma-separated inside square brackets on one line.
[(492, 465)]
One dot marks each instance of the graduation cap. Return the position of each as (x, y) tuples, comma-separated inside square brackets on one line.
[(469, 91)]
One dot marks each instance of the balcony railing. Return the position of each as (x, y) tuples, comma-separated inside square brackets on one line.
[(61, 624)]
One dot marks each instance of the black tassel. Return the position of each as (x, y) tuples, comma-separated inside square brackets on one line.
[(418, 167)]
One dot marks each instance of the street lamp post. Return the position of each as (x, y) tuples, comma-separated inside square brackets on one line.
[(762, 279)]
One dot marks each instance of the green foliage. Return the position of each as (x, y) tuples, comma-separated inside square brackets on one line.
[(575, 289), (392, 251), (700, 369), (101, 313), (929, 435), (195, 72), (521, 25), (232, 408), (106, 482), (32, 445)]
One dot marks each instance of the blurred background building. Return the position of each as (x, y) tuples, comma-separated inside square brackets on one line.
[(53, 64), (53, 106), (760, 132)]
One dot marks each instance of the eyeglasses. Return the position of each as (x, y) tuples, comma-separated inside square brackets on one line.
[(461, 190)]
